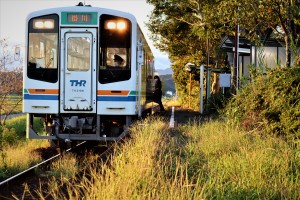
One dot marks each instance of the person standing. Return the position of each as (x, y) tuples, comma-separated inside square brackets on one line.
[(158, 93)]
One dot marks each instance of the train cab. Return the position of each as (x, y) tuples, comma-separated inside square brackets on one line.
[(87, 69)]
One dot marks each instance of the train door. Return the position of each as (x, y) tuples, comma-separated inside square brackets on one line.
[(78, 67)]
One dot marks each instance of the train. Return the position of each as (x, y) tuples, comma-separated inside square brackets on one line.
[(88, 74)]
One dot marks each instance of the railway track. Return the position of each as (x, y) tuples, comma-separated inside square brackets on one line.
[(16, 185), (25, 184)]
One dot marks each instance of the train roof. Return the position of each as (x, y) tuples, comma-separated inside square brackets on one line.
[(100, 10)]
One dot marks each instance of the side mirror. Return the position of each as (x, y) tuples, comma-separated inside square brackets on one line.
[(17, 54)]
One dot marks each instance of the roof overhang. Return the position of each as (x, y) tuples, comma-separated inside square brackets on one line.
[(227, 43)]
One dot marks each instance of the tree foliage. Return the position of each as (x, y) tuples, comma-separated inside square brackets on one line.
[(278, 19), (174, 30), (182, 28)]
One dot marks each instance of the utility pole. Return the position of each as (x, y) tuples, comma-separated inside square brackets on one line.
[(235, 77), (236, 61)]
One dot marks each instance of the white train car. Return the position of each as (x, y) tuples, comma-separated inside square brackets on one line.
[(88, 74)]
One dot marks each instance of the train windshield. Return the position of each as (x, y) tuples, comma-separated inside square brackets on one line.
[(43, 48), (115, 49)]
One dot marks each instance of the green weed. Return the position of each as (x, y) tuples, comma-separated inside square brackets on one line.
[(270, 104)]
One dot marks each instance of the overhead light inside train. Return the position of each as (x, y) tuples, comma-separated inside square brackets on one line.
[(43, 24), (115, 25)]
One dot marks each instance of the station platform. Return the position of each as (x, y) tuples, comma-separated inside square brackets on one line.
[(179, 116)]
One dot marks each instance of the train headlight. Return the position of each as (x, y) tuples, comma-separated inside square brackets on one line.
[(121, 25), (115, 25), (43, 24), (110, 25)]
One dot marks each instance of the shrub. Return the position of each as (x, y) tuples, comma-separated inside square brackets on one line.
[(9, 136), (14, 130), (270, 103), (216, 102)]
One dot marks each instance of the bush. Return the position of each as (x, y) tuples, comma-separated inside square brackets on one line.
[(216, 103), (270, 103), (19, 124), (14, 130), (9, 136)]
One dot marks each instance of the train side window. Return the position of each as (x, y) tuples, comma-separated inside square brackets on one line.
[(43, 48), (115, 51)]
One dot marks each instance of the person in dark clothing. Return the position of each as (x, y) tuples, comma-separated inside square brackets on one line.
[(158, 93), (119, 61)]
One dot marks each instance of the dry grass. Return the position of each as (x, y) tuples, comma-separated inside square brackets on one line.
[(172, 102), (209, 161)]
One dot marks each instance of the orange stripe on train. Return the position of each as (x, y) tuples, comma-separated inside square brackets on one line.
[(43, 91), (113, 92)]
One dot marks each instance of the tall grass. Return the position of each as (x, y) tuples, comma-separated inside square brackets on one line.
[(17, 153), (17, 158), (66, 166), (236, 164), (194, 161)]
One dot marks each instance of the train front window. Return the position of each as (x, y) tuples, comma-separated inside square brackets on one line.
[(116, 57), (115, 51), (42, 60)]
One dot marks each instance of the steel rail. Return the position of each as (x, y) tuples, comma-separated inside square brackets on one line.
[(35, 166)]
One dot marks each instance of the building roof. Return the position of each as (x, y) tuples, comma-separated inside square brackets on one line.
[(227, 43)]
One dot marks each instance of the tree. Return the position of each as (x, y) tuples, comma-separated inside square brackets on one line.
[(10, 82), (171, 24), (259, 19), (183, 28), (284, 22)]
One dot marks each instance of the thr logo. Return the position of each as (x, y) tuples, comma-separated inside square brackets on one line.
[(79, 83)]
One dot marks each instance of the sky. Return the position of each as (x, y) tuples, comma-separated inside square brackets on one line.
[(13, 14)]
